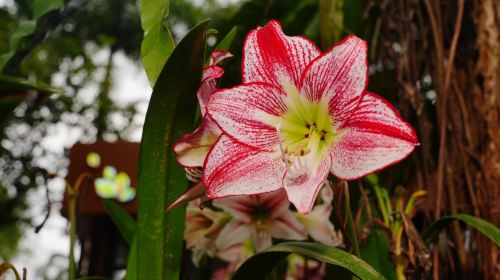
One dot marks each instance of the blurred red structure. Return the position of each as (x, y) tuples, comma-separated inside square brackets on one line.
[(104, 252)]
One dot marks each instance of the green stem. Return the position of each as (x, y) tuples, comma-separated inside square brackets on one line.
[(72, 196), (351, 230), (6, 266), (400, 265)]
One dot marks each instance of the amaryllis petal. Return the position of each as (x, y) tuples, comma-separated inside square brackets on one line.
[(276, 202), (287, 227), (338, 76), (208, 85), (374, 114), (236, 169), (373, 138), (318, 225), (212, 72), (271, 56), (302, 188), (231, 239), (202, 226), (261, 240), (239, 206), (193, 148), (209, 78), (327, 193), (245, 112), (218, 55)]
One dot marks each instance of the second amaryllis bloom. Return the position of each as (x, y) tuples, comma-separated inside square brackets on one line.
[(299, 115)]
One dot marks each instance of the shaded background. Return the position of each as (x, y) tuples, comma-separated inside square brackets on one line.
[(437, 61)]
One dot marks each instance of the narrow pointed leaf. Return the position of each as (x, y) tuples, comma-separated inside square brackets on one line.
[(261, 264), (227, 41), (123, 221), (376, 252), (132, 262), (13, 91), (486, 228), (169, 116), (41, 7), (158, 43)]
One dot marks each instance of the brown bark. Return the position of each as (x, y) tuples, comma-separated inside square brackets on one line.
[(451, 52)]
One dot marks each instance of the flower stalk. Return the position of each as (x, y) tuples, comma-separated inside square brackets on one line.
[(350, 227), (5, 266), (72, 192)]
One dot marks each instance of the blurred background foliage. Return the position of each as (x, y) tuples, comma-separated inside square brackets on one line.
[(75, 53), (437, 61)]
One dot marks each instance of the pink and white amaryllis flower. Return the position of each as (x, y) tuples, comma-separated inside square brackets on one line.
[(192, 149), (258, 218), (317, 222), (299, 115), (202, 228)]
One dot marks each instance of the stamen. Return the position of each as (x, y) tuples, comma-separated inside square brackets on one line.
[(194, 174)]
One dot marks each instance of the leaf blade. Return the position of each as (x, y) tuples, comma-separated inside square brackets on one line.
[(169, 116), (269, 258), (158, 43), (123, 221), (485, 227)]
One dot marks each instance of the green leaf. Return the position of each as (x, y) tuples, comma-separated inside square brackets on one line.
[(23, 29), (226, 43), (4, 58), (169, 116), (376, 252), (486, 228), (132, 262), (41, 7), (158, 43), (11, 83), (13, 91), (261, 264), (123, 221)]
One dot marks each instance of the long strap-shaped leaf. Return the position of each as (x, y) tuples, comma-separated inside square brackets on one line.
[(14, 90), (169, 116), (122, 220), (261, 264), (486, 228), (158, 43)]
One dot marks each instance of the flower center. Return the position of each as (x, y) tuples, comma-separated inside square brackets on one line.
[(305, 131), (260, 215)]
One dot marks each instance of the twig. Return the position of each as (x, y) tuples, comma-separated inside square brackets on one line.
[(443, 112)]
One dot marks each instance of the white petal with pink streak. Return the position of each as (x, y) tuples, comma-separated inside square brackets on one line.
[(271, 56), (374, 137), (243, 112), (192, 149), (338, 76), (287, 227), (235, 169), (302, 188)]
